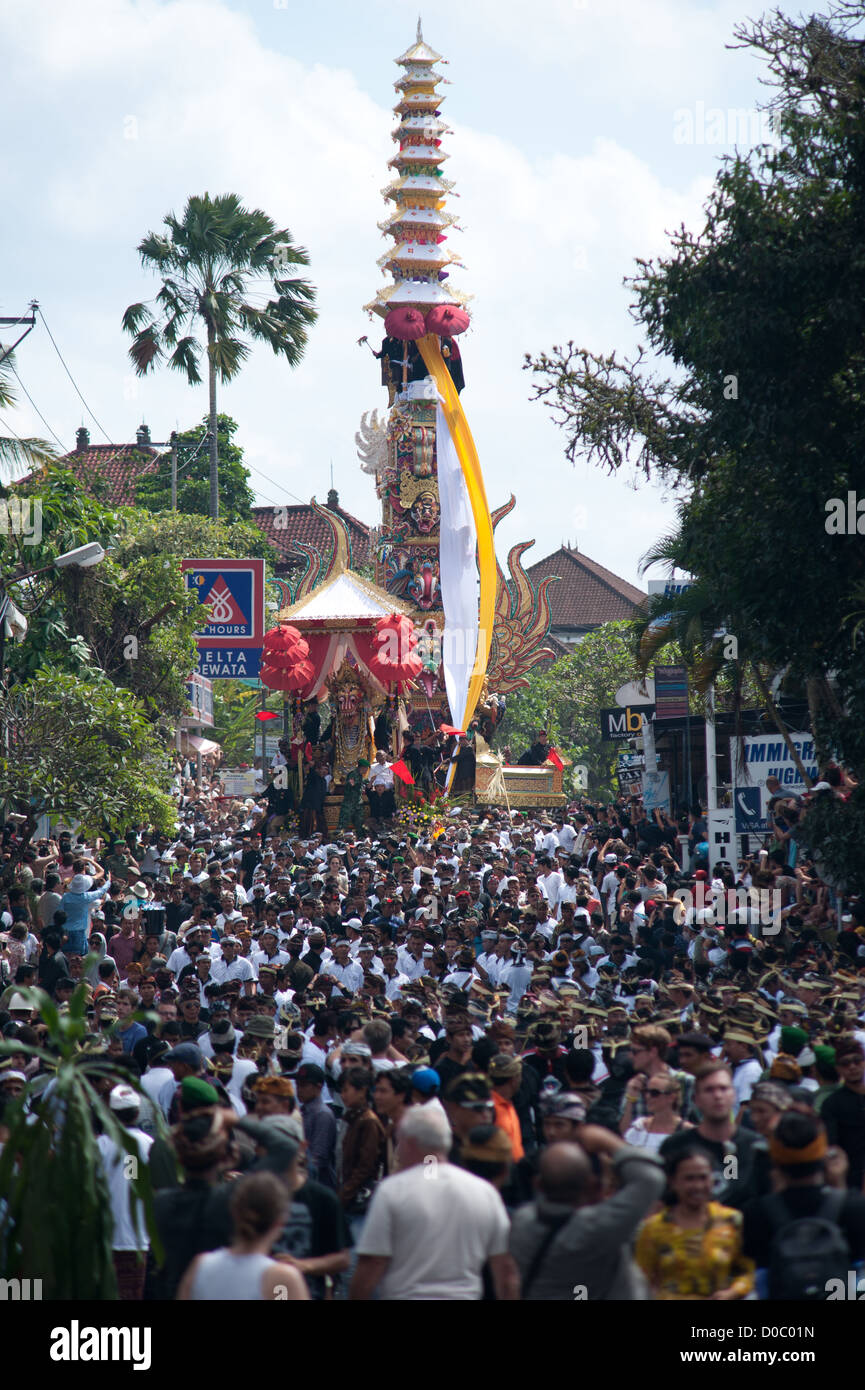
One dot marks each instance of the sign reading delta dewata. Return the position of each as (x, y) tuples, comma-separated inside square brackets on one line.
[(231, 634)]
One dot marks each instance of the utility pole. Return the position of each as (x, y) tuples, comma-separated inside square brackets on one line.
[(173, 442), (13, 323)]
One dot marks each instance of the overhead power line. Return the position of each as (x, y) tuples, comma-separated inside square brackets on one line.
[(36, 408), (72, 379)]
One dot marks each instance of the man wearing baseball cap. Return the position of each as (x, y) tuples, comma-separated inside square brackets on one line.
[(129, 1241)]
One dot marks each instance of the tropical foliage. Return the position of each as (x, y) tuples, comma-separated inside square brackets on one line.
[(55, 1218), (83, 751), (761, 421)]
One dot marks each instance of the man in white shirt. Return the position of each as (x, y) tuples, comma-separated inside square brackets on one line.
[(550, 882), (392, 974), (739, 1050), (347, 972), (514, 977), (550, 840), (618, 956), (129, 1240), (567, 834), (268, 952), (180, 957), (231, 966), (428, 1240), (230, 916), (410, 958), (610, 886), (488, 956), (380, 788)]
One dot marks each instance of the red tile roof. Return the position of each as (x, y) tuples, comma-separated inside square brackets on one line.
[(301, 523), (587, 594), (111, 471)]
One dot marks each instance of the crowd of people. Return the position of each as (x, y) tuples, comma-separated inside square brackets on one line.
[(502, 1056)]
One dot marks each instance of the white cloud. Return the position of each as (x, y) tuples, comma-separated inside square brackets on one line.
[(549, 231)]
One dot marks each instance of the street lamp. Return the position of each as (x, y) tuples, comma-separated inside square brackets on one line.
[(83, 557)]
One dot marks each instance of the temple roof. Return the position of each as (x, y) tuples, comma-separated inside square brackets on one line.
[(419, 52), (588, 594), (346, 598)]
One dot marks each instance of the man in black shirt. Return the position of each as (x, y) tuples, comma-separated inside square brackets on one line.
[(249, 859), (537, 754), (456, 1059), (739, 1156), (843, 1112)]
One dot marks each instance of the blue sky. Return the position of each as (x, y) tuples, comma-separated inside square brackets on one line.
[(584, 130)]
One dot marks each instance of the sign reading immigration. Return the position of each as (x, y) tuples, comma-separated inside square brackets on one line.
[(761, 757), (231, 633)]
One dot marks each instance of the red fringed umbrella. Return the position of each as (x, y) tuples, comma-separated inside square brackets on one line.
[(446, 320), (285, 663), (406, 323), (396, 661)]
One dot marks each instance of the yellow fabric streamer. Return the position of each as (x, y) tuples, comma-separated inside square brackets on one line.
[(467, 454)]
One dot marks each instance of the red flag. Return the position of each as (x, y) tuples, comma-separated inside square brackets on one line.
[(264, 714), (449, 729), (553, 757), (400, 770)]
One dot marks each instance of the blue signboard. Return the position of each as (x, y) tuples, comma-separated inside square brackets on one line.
[(231, 635), (228, 663)]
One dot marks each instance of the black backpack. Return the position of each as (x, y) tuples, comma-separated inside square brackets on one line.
[(807, 1251)]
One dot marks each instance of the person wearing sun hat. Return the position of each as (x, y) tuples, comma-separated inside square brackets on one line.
[(77, 902)]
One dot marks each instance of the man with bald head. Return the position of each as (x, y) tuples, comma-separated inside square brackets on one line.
[(570, 1246)]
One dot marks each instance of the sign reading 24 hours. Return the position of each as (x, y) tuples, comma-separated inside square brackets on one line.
[(232, 592)]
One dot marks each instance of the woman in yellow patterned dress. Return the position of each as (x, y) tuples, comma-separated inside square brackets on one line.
[(693, 1249)]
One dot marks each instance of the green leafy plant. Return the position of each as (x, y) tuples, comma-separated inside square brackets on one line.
[(55, 1216)]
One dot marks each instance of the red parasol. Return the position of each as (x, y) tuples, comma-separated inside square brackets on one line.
[(285, 663), (405, 324), (446, 320), (396, 661)]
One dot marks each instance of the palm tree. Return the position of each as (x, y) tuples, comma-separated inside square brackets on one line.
[(213, 263), (17, 453), (55, 1216)]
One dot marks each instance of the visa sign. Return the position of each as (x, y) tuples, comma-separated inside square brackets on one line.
[(629, 722)]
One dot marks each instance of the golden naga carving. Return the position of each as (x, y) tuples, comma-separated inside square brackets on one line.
[(318, 568), (522, 619)]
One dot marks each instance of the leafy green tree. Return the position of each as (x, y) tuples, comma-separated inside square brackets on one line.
[(215, 263), (762, 422), (129, 618), (566, 699), (236, 498), (178, 536), (55, 1217), (235, 727), (83, 751)]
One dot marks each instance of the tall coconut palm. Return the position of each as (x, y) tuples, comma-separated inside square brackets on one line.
[(214, 262)]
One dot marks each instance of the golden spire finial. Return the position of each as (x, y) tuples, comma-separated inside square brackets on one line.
[(419, 30)]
